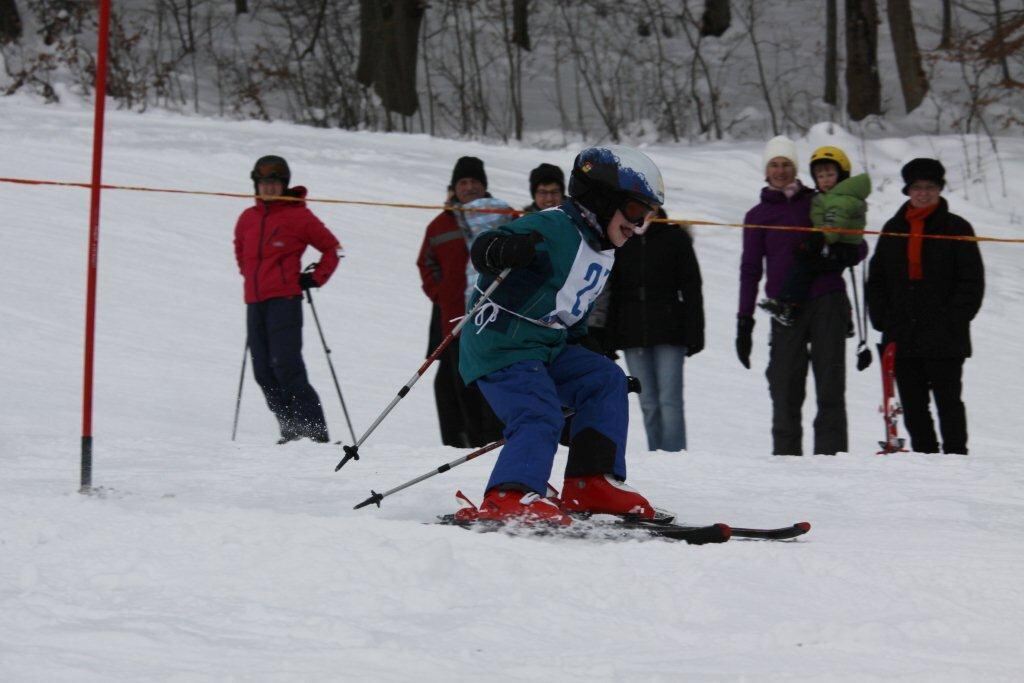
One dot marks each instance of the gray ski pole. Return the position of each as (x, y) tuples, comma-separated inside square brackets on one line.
[(241, 379), (327, 352), (352, 452), (376, 498)]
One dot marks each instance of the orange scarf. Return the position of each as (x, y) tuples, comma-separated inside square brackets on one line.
[(916, 218)]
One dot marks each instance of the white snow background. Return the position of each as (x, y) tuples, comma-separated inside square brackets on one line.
[(202, 559)]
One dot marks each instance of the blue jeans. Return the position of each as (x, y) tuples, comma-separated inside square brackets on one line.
[(660, 371)]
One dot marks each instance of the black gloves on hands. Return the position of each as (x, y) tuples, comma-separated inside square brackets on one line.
[(744, 338), (512, 251), (306, 281), (495, 252)]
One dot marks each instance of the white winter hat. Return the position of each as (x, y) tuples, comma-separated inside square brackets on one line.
[(780, 146)]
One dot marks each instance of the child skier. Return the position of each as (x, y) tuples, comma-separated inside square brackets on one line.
[(839, 203), (519, 346)]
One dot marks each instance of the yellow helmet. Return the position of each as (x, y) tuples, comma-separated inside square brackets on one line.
[(829, 153)]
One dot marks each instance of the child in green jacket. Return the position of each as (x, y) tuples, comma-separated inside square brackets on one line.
[(839, 203)]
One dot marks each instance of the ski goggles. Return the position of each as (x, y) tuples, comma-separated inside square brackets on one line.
[(271, 170), (639, 214)]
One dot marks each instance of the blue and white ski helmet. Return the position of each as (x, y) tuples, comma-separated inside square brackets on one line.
[(621, 169)]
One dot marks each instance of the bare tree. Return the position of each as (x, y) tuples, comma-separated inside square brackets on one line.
[(908, 58), (241, 6), (389, 38), (515, 68), (863, 88), (750, 19), (521, 24), (999, 32), (831, 54), (705, 121), (946, 41), (10, 22), (716, 18)]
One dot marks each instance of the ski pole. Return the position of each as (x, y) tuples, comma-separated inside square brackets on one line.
[(863, 352), (376, 498), (241, 379), (352, 452), (327, 352)]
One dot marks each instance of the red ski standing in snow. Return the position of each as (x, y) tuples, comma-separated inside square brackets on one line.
[(270, 238)]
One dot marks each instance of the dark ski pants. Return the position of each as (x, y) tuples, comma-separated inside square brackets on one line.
[(528, 396), (916, 379), (275, 341), (816, 338), (466, 419)]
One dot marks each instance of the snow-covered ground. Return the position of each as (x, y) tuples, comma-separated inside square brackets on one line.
[(199, 558)]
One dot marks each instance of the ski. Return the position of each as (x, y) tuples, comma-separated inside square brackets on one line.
[(601, 529), (777, 534), (890, 408)]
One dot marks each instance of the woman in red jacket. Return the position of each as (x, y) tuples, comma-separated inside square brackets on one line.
[(270, 239)]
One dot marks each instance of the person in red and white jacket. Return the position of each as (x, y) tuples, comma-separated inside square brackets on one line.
[(270, 238), (465, 417)]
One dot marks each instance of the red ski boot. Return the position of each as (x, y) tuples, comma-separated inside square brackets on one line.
[(516, 506), (605, 495)]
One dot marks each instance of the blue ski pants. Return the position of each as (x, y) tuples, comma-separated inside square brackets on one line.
[(528, 397)]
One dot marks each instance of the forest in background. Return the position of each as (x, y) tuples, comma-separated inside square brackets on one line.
[(538, 71)]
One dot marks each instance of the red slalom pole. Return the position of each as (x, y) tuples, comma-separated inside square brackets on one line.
[(100, 93)]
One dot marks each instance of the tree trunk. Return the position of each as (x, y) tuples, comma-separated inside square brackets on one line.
[(999, 32), (388, 42), (520, 24), (946, 41), (863, 89), (10, 22), (716, 18), (831, 55), (908, 58), (241, 6)]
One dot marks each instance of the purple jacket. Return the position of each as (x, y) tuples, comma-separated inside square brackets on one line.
[(777, 248)]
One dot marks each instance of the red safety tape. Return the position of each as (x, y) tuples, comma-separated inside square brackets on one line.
[(440, 207)]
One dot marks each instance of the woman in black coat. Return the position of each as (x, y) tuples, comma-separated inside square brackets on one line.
[(656, 317), (922, 294)]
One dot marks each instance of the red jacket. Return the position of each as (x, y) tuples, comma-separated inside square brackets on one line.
[(442, 263), (270, 238)]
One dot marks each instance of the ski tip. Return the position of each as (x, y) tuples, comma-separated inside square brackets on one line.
[(804, 527)]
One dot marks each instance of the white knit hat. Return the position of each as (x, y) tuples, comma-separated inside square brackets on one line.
[(780, 146)]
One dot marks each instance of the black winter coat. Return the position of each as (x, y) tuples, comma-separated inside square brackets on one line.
[(928, 318), (656, 295)]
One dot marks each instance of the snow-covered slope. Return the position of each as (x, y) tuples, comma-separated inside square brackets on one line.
[(203, 559)]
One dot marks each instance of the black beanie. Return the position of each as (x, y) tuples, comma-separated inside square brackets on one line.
[(545, 174), (469, 167), (923, 169)]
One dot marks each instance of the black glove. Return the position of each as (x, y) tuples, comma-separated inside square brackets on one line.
[(863, 356), (306, 281), (744, 338), (512, 251)]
